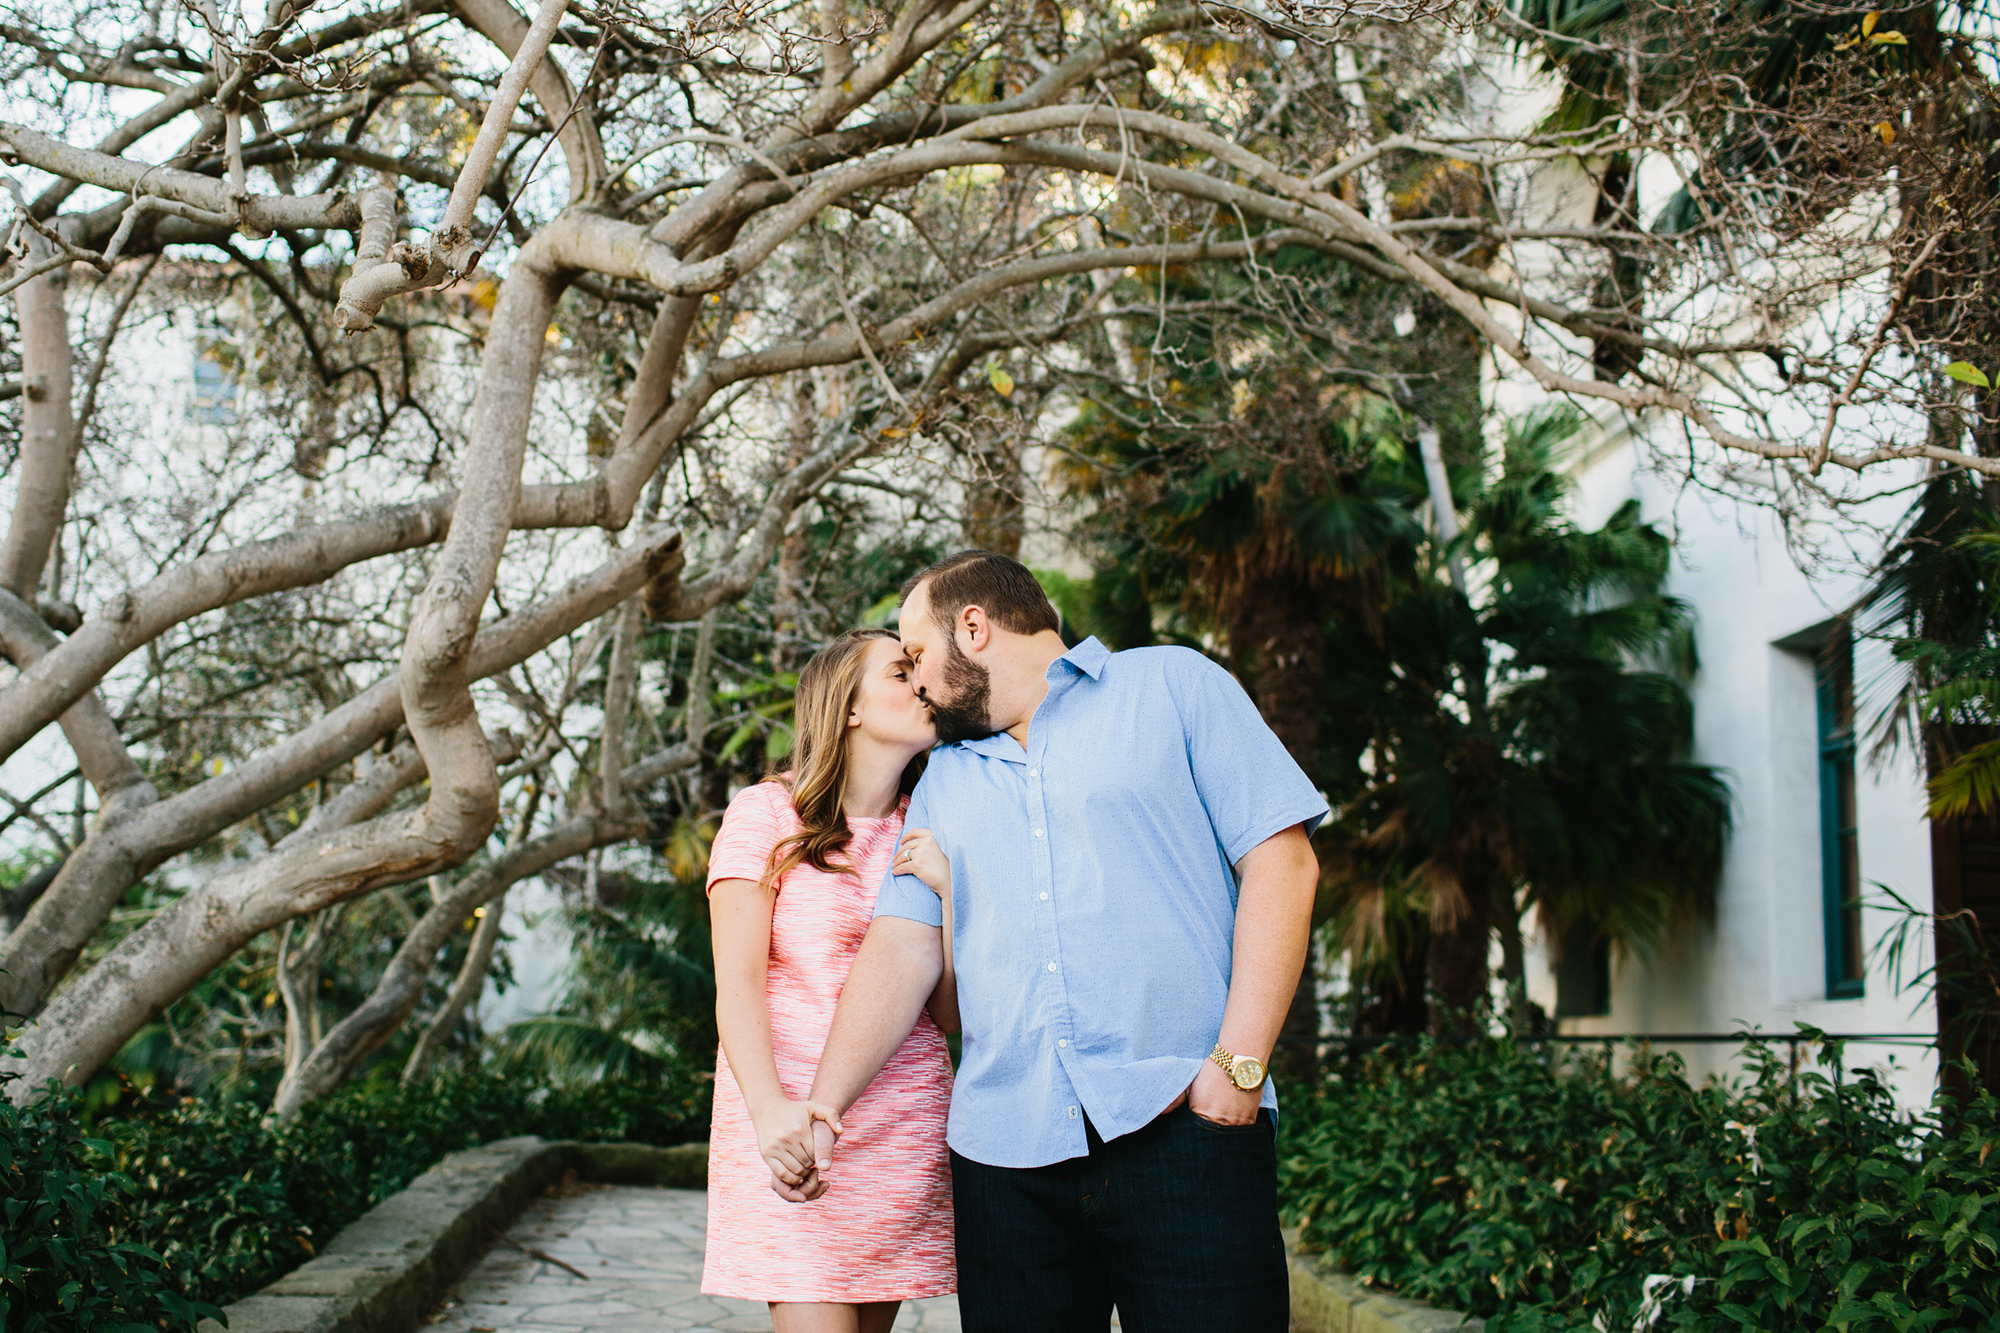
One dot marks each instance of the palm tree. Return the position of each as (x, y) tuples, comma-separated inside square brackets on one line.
[(1936, 598), (640, 1001), (1532, 740), (1236, 511)]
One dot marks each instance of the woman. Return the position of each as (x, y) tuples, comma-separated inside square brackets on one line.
[(791, 880)]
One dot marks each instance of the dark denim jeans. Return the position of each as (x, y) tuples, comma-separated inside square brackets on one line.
[(1175, 1224)]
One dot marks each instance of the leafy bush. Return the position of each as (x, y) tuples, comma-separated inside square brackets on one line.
[(189, 1204), (63, 1261), (1546, 1195)]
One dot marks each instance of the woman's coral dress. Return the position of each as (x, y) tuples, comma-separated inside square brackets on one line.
[(882, 1230)]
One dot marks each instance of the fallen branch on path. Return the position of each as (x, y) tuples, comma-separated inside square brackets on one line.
[(534, 1253)]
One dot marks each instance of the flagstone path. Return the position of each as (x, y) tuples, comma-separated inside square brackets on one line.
[(641, 1249)]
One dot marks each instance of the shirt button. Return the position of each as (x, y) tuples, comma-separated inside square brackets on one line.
[(1045, 896), (1034, 772), (1052, 967), (1064, 1042), (1038, 833)]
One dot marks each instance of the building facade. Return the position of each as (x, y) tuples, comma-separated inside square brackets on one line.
[(1783, 704)]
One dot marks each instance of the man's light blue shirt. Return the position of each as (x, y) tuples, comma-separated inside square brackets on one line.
[(1093, 895)]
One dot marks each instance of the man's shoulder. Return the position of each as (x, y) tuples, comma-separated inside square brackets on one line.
[(1162, 663)]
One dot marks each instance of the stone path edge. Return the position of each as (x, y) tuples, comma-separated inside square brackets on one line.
[(1326, 1300), (391, 1265), (387, 1268)]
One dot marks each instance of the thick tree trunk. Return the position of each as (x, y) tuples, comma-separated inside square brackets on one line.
[(161, 961), (125, 846), (47, 371), (1459, 964)]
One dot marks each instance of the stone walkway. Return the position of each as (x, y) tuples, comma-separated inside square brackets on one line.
[(642, 1250)]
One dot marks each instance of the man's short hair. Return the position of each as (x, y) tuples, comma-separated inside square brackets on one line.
[(997, 584)]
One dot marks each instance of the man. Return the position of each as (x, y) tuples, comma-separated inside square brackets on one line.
[(1111, 1127)]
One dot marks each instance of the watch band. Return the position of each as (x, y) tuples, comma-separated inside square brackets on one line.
[(1229, 1061)]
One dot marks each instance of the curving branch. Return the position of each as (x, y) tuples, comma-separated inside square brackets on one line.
[(452, 249), (131, 620), (47, 427), (121, 849)]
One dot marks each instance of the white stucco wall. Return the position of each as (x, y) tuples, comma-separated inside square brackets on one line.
[(1762, 962)]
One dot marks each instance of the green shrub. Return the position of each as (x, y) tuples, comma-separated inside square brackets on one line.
[(183, 1206), (232, 1204), (67, 1259), (1545, 1195)]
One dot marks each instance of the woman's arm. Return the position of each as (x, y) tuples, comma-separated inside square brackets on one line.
[(919, 855), (740, 923)]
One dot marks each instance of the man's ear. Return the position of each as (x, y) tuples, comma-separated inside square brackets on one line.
[(972, 620)]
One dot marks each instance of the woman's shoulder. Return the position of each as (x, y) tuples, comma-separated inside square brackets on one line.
[(763, 802), (759, 817)]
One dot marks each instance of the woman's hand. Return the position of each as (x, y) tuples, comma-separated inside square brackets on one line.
[(785, 1139), (918, 854)]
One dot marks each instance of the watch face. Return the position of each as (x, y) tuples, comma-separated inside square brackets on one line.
[(1248, 1072)]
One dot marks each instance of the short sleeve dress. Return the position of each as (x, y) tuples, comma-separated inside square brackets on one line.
[(883, 1229)]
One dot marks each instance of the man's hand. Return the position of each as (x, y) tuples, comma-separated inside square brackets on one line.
[(786, 1141), (1215, 1097)]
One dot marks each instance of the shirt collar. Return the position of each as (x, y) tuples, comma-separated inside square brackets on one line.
[(1087, 657)]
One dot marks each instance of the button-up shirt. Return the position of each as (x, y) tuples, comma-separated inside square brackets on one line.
[(1094, 895)]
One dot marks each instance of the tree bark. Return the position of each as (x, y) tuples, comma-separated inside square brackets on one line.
[(298, 982), (402, 985), (1459, 963), (357, 1036), (124, 846), (47, 427), (465, 989), (71, 669)]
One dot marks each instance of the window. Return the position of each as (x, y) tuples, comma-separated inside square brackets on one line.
[(1839, 853), (213, 402), (1583, 973)]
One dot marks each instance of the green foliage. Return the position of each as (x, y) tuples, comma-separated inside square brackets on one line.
[(640, 1003), (69, 1259), (1545, 1195), (190, 1204), (1936, 599)]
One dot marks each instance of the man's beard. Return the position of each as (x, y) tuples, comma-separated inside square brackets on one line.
[(966, 714)]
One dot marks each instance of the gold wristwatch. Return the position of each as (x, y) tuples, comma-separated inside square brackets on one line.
[(1245, 1071)]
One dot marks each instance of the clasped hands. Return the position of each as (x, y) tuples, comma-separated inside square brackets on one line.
[(797, 1138), (796, 1141)]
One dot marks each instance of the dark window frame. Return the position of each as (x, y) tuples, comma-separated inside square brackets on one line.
[(1839, 838)]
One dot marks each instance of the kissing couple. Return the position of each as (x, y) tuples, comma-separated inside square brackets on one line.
[(1095, 867)]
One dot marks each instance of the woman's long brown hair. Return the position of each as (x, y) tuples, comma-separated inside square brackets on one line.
[(816, 771)]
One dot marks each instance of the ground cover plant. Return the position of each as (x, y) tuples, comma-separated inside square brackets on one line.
[(154, 1219), (1536, 1189)]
